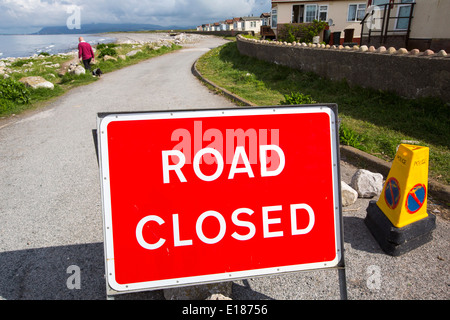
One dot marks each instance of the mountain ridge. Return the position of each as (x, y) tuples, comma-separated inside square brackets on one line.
[(105, 27)]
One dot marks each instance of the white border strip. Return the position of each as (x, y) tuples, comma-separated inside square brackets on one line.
[(102, 125)]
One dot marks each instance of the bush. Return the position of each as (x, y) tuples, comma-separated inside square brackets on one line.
[(349, 137), (102, 46), (303, 32), (14, 91), (19, 63), (5, 105), (107, 51), (297, 98)]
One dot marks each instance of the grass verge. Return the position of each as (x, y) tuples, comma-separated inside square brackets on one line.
[(371, 120), (48, 68)]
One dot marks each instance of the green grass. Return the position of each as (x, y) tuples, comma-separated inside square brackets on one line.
[(371, 120), (66, 82)]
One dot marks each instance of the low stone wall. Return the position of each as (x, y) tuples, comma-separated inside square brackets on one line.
[(409, 73)]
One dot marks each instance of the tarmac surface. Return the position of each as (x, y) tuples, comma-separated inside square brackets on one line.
[(50, 206)]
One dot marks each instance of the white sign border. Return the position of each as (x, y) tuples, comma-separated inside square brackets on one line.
[(102, 126)]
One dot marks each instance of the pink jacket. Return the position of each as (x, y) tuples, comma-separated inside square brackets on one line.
[(85, 50)]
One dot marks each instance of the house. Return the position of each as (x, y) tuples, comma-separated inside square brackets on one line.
[(412, 24), (251, 24), (266, 31), (237, 24), (265, 19), (229, 24), (343, 16)]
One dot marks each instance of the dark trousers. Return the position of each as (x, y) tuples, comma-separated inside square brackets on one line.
[(87, 64)]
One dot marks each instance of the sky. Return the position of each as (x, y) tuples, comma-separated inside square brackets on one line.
[(28, 16)]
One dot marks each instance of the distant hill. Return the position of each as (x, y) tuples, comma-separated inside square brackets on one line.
[(106, 27)]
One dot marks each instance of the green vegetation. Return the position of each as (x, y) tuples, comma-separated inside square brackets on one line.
[(301, 32), (371, 120), (15, 97)]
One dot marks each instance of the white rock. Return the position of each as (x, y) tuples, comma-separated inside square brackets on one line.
[(37, 82), (79, 70), (218, 296), (367, 184), (106, 58), (349, 195), (132, 53)]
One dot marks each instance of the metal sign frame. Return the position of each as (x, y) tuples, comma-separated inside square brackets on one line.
[(104, 119)]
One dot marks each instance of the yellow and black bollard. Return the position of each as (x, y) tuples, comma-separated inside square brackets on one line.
[(399, 220)]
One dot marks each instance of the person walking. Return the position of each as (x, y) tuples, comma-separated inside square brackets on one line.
[(85, 53)]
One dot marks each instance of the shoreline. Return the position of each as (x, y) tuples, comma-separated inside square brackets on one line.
[(133, 38)]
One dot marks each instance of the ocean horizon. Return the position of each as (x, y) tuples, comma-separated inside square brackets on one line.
[(14, 46)]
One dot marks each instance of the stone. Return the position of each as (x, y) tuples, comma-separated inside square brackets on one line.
[(199, 292), (367, 184), (414, 52), (106, 58), (441, 53), (391, 50), (132, 53), (349, 195), (37, 82), (402, 51), (428, 52), (381, 49), (218, 296), (76, 69), (372, 49), (122, 56), (363, 48)]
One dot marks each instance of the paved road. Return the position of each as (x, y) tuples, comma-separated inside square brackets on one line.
[(50, 209)]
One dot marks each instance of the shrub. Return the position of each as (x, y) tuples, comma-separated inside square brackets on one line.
[(14, 91), (349, 137), (5, 105), (102, 46), (304, 32), (107, 51), (297, 98), (19, 63)]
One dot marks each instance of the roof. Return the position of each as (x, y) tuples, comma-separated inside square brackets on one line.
[(251, 18)]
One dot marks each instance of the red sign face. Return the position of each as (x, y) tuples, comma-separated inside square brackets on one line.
[(192, 197)]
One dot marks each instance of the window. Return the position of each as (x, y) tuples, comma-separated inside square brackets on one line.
[(380, 2), (404, 11), (310, 12), (323, 13), (297, 13), (356, 12), (274, 18)]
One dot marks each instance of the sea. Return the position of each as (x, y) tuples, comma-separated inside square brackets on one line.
[(28, 45)]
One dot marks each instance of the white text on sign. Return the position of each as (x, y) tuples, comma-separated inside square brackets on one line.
[(266, 223), (239, 155)]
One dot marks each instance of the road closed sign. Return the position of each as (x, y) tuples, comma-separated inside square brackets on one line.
[(192, 197)]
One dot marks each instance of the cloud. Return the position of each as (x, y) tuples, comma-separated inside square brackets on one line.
[(40, 13)]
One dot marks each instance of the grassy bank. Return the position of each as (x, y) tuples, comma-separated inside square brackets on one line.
[(15, 98), (373, 121)]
